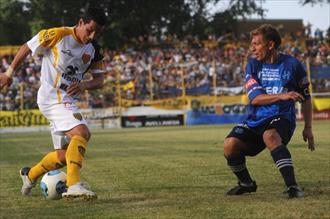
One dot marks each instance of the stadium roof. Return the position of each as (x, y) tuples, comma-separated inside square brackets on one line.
[(284, 25)]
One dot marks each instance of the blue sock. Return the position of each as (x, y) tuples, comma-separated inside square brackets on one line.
[(237, 165), (283, 161)]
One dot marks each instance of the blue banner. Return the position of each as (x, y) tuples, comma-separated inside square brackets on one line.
[(204, 89), (199, 118), (320, 72), (174, 91)]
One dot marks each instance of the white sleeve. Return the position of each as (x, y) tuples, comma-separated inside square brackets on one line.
[(35, 46)]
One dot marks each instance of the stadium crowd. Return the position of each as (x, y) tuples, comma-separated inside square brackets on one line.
[(164, 61)]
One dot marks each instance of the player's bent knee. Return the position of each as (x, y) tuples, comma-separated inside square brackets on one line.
[(89, 136), (272, 138), (231, 147), (81, 131), (86, 135)]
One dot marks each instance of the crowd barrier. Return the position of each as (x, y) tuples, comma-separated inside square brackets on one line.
[(177, 111)]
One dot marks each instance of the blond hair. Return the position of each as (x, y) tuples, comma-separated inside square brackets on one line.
[(269, 33)]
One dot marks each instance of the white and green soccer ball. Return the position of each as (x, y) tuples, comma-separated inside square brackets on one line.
[(53, 184)]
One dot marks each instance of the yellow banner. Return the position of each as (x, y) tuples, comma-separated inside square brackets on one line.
[(185, 102), (8, 50), (239, 99), (128, 86), (321, 103), (24, 118), (171, 103)]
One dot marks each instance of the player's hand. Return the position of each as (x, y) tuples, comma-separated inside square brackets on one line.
[(74, 89), (5, 81), (308, 136), (292, 95)]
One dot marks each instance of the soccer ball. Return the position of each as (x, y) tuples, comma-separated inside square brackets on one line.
[(53, 184)]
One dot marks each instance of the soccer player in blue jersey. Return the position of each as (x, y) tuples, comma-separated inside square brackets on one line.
[(274, 82)]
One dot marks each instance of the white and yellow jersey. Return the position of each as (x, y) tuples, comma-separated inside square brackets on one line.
[(65, 61)]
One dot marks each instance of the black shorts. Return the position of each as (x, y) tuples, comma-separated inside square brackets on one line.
[(252, 136)]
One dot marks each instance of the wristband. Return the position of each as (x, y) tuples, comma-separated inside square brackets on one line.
[(9, 71)]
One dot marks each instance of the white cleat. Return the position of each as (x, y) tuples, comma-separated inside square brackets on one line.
[(79, 191), (27, 183)]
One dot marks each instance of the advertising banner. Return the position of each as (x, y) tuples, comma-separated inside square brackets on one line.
[(151, 121), (320, 72), (185, 102), (22, 118), (321, 115), (206, 112), (321, 103), (199, 118), (8, 50), (30, 118)]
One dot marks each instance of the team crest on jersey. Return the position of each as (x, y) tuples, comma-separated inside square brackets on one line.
[(250, 83), (46, 36), (286, 75), (77, 116), (85, 58)]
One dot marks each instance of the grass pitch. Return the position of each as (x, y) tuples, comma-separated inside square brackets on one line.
[(175, 172)]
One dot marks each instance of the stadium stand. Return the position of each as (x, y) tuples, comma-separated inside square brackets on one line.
[(154, 68)]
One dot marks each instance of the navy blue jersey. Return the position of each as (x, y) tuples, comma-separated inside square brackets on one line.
[(286, 75)]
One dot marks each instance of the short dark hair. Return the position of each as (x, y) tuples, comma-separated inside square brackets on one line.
[(269, 33), (95, 14)]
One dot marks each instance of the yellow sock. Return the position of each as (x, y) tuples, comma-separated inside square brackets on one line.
[(74, 157), (48, 163)]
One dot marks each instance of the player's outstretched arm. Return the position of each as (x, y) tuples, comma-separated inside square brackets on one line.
[(307, 133), (6, 78)]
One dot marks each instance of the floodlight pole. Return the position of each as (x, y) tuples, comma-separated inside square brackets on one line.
[(214, 77), (21, 89), (118, 92), (150, 82), (182, 71)]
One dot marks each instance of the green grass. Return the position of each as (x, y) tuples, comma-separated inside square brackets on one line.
[(176, 172)]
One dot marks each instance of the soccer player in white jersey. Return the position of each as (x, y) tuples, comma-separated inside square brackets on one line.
[(68, 53)]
